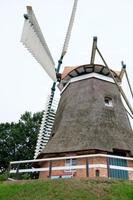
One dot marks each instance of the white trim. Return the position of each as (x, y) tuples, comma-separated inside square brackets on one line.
[(69, 157), (63, 168), (73, 167), (53, 169), (95, 166), (92, 75), (87, 76)]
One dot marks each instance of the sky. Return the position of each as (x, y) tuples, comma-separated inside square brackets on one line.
[(24, 85)]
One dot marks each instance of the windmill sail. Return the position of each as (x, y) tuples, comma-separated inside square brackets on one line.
[(33, 40), (69, 30), (45, 130)]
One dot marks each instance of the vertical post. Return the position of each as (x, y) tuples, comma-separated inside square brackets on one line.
[(87, 167), (8, 172), (122, 70), (93, 53), (50, 168), (17, 172), (108, 167)]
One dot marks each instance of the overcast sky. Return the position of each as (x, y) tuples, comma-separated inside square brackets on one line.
[(24, 85)]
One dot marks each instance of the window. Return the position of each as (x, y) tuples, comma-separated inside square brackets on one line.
[(108, 102), (69, 163), (118, 173), (97, 173)]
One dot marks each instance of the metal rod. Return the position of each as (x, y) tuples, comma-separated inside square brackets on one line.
[(118, 86)]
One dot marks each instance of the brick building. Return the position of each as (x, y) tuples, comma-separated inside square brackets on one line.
[(92, 135)]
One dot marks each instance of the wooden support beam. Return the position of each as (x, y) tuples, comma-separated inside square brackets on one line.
[(17, 172), (8, 171), (94, 46), (87, 167), (108, 167), (50, 168), (118, 86), (122, 70), (129, 83)]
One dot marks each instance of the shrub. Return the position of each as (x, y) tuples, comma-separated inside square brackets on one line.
[(3, 176)]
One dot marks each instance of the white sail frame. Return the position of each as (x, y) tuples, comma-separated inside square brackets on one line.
[(33, 40)]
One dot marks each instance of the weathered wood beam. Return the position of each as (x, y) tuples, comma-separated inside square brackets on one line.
[(94, 46)]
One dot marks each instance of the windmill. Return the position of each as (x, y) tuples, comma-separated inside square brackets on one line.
[(90, 117), (33, 40)]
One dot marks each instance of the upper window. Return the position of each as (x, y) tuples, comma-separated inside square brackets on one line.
[(108, 101)]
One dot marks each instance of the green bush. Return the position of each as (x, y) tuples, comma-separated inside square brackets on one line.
[(3, 176), (25, 176)]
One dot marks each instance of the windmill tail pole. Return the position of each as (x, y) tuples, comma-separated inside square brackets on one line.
[(119, 88), (122, 72), (121, 75), (129, 83), (94, 47)]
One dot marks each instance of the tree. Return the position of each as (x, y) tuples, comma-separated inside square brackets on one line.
[(18, 140)]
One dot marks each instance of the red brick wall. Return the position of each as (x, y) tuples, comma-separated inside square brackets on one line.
[(79, 173), (102, 172), (130, 173)]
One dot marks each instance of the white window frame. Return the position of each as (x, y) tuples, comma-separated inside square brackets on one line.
[(69, 163)]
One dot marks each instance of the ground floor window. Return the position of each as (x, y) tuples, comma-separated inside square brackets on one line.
[(118, 173), (69, 163)]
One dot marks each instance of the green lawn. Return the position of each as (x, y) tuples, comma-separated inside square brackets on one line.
[(72, 189)]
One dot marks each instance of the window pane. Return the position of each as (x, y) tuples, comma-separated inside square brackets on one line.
[(73, 161), (68, 162)]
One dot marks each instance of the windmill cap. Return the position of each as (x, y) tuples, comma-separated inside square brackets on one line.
[(74, 71)]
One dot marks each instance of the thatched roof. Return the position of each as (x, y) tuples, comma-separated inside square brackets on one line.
[(83, 121)]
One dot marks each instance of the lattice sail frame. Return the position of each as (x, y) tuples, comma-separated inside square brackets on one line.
[(46, 124)]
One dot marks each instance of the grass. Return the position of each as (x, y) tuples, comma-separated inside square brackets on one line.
[(72, 189)]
